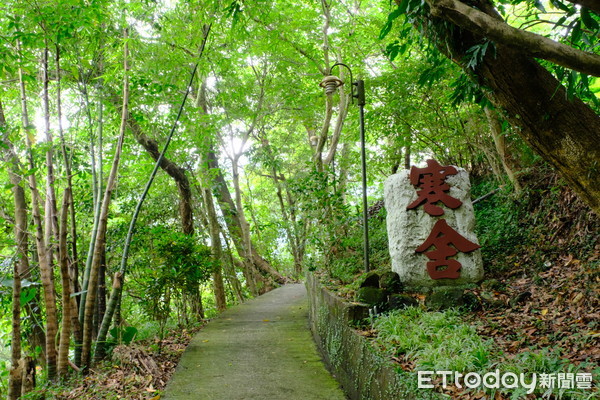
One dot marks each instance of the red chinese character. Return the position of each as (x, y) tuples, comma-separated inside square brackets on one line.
[(442, 236), (431, 181)]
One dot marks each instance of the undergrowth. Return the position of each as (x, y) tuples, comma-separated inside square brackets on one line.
[(441, 341)]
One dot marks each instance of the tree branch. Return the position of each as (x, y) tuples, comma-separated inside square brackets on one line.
[(526, 42)]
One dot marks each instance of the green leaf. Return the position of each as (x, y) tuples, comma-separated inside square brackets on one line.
[(561, 6), (588, 19), (124, 335), (538, 4), (27, 296), (401, 9), (576, 33)]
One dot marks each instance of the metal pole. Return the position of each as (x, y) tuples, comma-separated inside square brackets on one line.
[(360, 95)]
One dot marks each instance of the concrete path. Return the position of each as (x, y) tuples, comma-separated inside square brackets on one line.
[(259, 350)]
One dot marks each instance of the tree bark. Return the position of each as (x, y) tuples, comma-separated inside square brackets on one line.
[(65, 333), (174, 171), (563, 131), (525, 42), (100, 243), (45, 261), (20, 264), (590, 4), (231, 215), (500, 143), (217, 250)]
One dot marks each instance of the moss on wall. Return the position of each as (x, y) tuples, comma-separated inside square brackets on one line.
[(361, 369)]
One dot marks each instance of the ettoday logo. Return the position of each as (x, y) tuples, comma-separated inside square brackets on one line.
[(505, 380)]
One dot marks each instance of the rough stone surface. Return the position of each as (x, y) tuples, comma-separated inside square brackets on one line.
[(370, 295), (493, 284), (370, 280), (364, 372), (408, 229), (448, 297), (390, 282), (399, 301)]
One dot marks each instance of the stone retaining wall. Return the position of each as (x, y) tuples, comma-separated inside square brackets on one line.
[(362, 371)]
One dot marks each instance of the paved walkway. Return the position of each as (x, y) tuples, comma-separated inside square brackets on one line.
[(259, 350)]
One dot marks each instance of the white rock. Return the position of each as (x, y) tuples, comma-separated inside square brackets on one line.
[(408, 229)]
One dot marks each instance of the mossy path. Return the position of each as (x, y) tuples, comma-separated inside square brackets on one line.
[(261, 349)]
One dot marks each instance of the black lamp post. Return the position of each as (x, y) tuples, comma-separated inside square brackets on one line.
[(330, 83)]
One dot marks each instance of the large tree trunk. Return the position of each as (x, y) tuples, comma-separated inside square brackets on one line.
[(562, 130), (243, 244), (174, 171)]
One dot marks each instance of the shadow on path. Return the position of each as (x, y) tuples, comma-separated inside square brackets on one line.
[(259, 350)]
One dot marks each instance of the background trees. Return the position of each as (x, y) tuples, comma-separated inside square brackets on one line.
[(262, 166)]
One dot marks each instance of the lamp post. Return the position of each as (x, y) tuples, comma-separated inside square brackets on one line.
[(330, 83)]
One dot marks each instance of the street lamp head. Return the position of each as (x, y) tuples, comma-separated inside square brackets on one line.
[(330, 84)]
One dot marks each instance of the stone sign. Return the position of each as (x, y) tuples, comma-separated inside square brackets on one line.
[(430, 223)]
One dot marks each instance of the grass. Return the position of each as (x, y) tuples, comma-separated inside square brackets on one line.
[(441, 341), (433, 340)]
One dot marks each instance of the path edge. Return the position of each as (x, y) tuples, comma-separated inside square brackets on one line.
[(363, 372)]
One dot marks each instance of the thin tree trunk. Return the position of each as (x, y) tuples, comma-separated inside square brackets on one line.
[(74, 265), (101, 301), (114, 303), (20, 264), (65, 333), (288, 217), (407, 154), (215, 242), (500, 142), (44, 259), (100, 243), (51, 214), (97, 196), (231, 214)]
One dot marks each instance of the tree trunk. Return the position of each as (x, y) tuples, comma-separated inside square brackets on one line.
[(231, 215), (65, 333), (51, 213), (45, 261), (100, 243), (74, 265), (20, 264), (101, 300), (563, 131), (289, 217), (500, 143), (217, 250), (27, 366)]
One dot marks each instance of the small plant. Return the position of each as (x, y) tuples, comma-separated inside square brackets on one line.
[(433, 340)]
